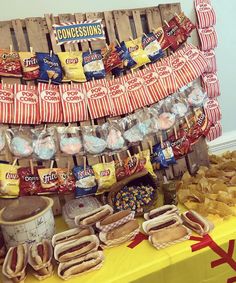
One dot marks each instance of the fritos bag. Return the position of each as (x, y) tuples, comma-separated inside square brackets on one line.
[(26, 105), (49, 180), (137, 52), (49, 67), (50, 103), (105, 176), (111, 58), (29, 181), (9, 181), (71, 63), (29, 65), (74, 103), (10, 65), (6, 103), (93, 65)]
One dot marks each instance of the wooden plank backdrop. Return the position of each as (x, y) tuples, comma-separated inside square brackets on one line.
[(119, 25)]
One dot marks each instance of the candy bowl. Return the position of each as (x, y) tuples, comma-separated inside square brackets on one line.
[(137, 193)]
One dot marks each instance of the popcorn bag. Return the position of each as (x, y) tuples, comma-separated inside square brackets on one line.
[(211, 59), (212, 110), (26, 105), (215, 132), (6, 103), (211, 84), (119, 97), (208, 38), (99, 102), (137, 91), (50, 103), (205, 13), (74, 103)]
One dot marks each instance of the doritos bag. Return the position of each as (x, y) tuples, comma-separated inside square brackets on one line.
[(6, 103), (29, 65), (152, 47), (49, 67), (105, 176), (9, 181), (10, 65), (93, 65), (71, 63), (137, 52)]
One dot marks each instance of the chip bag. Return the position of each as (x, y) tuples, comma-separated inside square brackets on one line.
[(49, 68), (152, 47), (111, 58), (29, 65), (105, 176), (9, 181), (137, 52), (93, 65), (134, 164), (180, 145), (66, 180), (71, 63), (85, 181), (144, 157), (162, 156), (162, 38), (184, 22), (49, 180), (10, 65), (29, 181)]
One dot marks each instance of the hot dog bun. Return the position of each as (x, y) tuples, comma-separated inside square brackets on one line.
[(169, 235), (115, 217), (122, 230)]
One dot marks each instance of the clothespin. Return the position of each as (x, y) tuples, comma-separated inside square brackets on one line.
[(150, 146), (51, 164), (140, 151), (11, 48), (85, 162), (177, 16), (187, 121), (50, 53), (90, 50), (119, 159), (166, 23), (129, 154), (175, 132), (103, 159), (31, 49), (14, 162), (68, 167), (107, 47), (145, 34), (45, 128), (117, 42), (49, 83), (161, 141), (31, 167)]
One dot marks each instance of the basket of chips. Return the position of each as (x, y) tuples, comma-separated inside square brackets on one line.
[(137, 193)]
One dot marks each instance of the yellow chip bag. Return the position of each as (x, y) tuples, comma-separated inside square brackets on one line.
[(71, 63), (9, 181), (137, 52), (105, 176), (145, 157)]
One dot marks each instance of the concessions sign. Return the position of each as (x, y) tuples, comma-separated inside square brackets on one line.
[(79, 31)]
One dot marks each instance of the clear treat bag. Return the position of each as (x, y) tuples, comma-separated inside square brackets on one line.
[(196, 95), (70, 140), (132, 133), (113, 133), (2, 139), (44, 143), (20, 141), (93, 140)]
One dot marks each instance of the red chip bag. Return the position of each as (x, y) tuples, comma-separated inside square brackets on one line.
[(180, 146), (137, 91), (50, 103), (133, 165), (26, 105), (99, 102), (162, 38), (111, 58), (185, 23), (73, 103), (119, 97), (10, 65), (29, 182), (66, 180), (6, 103), (30, 65)]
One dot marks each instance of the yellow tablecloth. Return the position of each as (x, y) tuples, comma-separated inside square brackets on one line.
[(175, 264)]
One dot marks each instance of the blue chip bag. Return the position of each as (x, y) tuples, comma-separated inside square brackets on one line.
[(93, 65), (163, 156), (85, 181), (152, 47), (127, 60), (49, 67)]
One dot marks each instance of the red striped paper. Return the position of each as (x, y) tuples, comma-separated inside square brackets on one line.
[(74, 104), (50, 103), (119, 97), (212, 110), (6, 103), (208, 38), (211, 84), (137, 91), (153, 83), (26, 105), (211, 59), (215, 132), (206, 15), (99, 102)]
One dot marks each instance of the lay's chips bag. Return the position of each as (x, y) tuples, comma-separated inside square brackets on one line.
[(9, 181), (72, 65)]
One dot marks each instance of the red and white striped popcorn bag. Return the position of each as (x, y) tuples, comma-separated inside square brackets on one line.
[(99, 103), (212, 110), (6, 103), (26, 105), (50, 103), (166, 75), (137, 91), (211, 84), (119, 97), (206, 15), (208, 38), (74, 103), (211, 59), (215, 132), (196, 60), (153, 83)]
